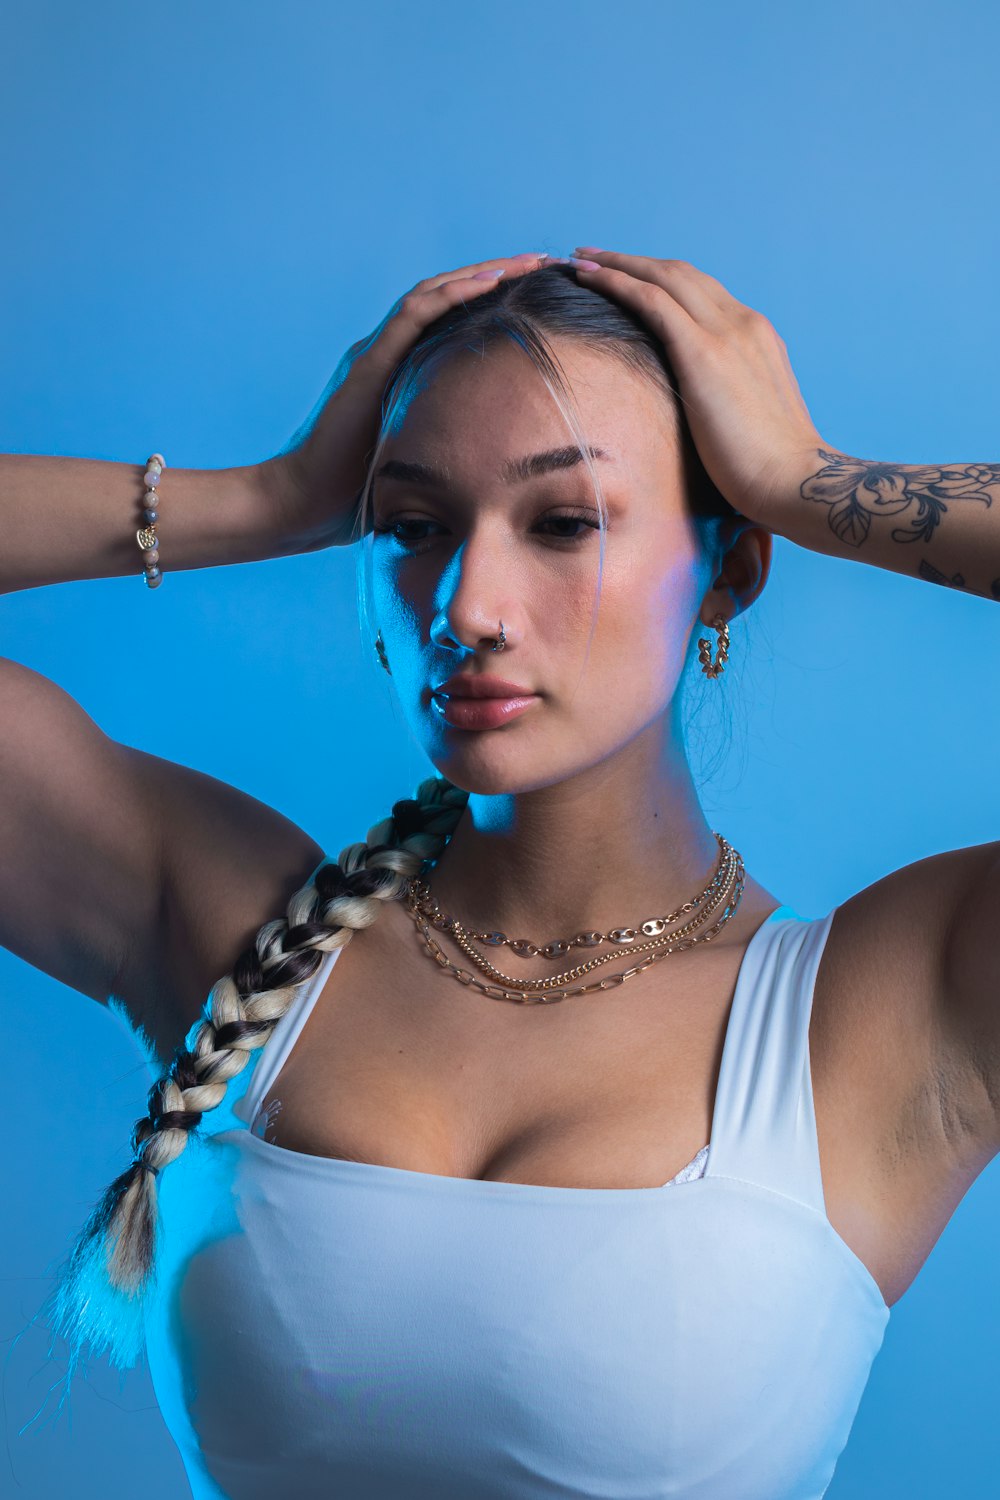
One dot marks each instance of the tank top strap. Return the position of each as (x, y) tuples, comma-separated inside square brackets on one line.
[(248, 1088), (764, 1123)]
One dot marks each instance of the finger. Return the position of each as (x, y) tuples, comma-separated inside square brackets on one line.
[(415, 311), (436, 295), (701, 295), (511, 264), (661, 312)]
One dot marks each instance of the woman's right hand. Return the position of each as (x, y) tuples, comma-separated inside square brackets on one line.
[(316, 480)]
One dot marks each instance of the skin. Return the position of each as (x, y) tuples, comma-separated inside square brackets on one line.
[(583, 812), (131, 877), (903, 1119)]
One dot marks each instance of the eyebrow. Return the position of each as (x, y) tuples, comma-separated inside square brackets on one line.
[(512, 471)]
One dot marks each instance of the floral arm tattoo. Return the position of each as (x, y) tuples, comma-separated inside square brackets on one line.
[(939, 517)]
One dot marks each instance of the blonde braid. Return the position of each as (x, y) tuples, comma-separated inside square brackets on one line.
[(98, 1300)]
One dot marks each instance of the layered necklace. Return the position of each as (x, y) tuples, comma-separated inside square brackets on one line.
[(724, 890)]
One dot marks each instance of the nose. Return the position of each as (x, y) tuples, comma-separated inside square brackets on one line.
[(445, 633), (469, 606)]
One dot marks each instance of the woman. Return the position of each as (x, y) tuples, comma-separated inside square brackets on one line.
[(384, 1238)]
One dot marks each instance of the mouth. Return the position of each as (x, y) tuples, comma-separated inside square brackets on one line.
[(480, 686), (486, 711)]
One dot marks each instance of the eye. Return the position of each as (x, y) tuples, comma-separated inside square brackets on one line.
[(391, 529), (584, 519)]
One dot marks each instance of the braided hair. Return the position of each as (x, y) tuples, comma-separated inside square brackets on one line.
[(101, 1288)]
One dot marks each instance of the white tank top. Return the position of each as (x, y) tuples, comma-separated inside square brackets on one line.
[(324, 1327)]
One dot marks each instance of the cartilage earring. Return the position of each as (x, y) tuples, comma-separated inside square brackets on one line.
[(380, 653), (716, 668), (501, 639)]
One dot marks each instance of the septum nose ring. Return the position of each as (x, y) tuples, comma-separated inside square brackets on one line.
[(501, 639)]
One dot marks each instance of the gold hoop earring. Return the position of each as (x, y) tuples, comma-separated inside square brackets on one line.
[(716, 668), (380, 653)]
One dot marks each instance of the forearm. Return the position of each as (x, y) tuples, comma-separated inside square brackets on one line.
[(936, 523), (73, 518)]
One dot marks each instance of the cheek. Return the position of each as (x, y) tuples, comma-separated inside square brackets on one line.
[(649, 607), (643, 628), (399, 586), (395, 611), (418, 584)]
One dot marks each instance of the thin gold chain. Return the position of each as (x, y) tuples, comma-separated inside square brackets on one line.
[(421, 899), (731, 874), (651, 927)]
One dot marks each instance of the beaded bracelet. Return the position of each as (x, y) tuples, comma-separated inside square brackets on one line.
[(146, 536)]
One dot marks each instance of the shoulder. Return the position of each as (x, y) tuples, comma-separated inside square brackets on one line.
[(228, 863)]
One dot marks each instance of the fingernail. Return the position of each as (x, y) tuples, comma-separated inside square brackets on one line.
[(594, 249), (584, 265), (489, 275)]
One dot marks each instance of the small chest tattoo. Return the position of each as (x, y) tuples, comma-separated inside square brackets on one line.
[(263, 1120)]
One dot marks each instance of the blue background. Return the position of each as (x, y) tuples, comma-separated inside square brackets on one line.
[(205, 204)]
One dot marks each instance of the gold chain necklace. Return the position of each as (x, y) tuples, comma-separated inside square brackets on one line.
[(725, 889)]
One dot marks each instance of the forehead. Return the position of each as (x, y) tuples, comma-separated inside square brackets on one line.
[(493, 404)]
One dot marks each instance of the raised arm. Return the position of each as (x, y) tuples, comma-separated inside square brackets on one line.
[(73, 518), (121, 874), (936, 919)]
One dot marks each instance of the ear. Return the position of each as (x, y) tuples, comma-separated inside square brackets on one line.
[(742, 566)]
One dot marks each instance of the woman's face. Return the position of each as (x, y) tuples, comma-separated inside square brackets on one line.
[(468, 533)]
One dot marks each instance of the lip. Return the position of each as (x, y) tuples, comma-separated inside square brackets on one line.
[(464, 712), (480, 687)]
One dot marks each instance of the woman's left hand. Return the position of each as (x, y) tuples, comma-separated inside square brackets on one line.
[(742, 402)]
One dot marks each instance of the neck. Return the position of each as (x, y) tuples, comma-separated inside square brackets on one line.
[(622, 841)]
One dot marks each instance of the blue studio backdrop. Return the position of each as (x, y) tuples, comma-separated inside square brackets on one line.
[(205, 204)]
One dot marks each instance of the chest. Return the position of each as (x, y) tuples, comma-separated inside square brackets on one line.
[(400, 1066), (475, 1339)]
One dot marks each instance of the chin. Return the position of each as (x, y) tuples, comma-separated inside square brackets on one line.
[(486, 768)]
